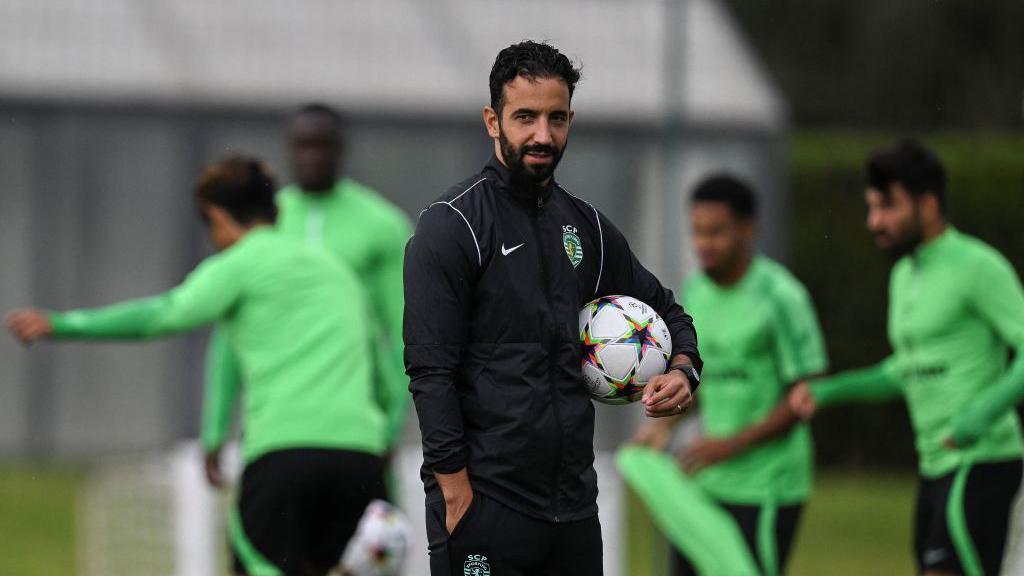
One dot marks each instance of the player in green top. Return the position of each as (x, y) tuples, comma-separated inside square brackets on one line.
[(298, 323), (759, 335), (359, 228), (956, 311)]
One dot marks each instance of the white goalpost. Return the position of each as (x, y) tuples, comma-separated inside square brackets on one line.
[(154, 515)]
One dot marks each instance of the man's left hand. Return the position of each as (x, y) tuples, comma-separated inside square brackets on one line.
[(667, 395), (705, 452)]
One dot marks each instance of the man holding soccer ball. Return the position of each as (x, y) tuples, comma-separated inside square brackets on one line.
[(495, 277)]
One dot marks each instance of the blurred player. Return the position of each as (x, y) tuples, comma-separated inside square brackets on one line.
[(495, 278), (956, 309), (759, 335), (297, 321), (362, 230)]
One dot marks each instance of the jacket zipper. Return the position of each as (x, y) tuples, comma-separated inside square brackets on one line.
[(550, 341)]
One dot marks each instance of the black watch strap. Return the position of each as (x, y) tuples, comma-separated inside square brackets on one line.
[(691, 374)]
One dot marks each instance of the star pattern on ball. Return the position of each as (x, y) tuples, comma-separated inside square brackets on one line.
[(640, 336)]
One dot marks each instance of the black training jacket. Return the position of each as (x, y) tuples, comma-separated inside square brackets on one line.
[(495, 277)]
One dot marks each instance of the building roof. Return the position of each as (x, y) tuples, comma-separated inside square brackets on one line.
[(391, 56)]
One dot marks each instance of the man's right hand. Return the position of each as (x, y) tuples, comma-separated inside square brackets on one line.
[(801, 402), (29, 325), (213, 471), (458, 495)]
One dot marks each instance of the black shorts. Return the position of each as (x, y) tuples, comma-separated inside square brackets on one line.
[(298, 508), (491, 538), (768, 531), (962, 519)]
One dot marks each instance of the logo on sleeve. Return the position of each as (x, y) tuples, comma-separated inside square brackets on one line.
[(573, 244), (476, 565)]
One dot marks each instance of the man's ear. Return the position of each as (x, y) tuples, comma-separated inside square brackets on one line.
[(929, 204), (746, 228), (492, 121), (218, 216)]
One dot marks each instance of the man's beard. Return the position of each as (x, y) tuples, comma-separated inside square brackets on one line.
[(726, 267), (908, 240), (522, 172)]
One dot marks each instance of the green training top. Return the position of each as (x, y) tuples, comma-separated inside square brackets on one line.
[(956, 308), (296, 320), (756, 337), (368, 234)]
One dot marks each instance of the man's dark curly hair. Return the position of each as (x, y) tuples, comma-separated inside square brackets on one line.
[(530, 60), (910, 163), (242, 185)]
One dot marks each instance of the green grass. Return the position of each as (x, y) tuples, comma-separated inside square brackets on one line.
[(856, 523), (37, 521)]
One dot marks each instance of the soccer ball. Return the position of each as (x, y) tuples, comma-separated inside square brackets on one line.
[(379, 545), (625, 343)]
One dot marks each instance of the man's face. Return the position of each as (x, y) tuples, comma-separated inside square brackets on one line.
[(722, 240), (315, 150), (533, 127), (894, 219)]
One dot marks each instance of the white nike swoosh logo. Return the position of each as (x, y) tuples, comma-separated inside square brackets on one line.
[(505, 252)]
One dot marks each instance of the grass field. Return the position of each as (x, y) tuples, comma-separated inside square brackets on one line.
[(37, 521), (855, 524)]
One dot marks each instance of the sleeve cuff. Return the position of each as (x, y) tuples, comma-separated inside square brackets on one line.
[(963, 437), (457, 461), (59, 323), (824, 392)]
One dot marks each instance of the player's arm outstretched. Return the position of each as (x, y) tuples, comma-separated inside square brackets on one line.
[(206, 295), (876, 383), (671, 393), (997, 297), (439, 267)]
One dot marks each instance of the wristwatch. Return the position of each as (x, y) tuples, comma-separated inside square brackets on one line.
[(691, 374)]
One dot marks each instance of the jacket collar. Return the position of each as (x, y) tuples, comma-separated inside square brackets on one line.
[(525, 192)]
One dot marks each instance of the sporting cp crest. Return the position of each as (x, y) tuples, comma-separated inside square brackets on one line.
[(573, 245), (476, 565)]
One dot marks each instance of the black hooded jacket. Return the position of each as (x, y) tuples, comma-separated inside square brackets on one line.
[(495, 277)]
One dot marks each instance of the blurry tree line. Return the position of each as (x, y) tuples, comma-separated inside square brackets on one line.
[(832, 253), (911, 64)]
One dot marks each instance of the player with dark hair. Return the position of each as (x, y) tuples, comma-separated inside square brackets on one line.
[(495, 277), (761, 336), (956, 310), (297, 322), (364, 232)]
